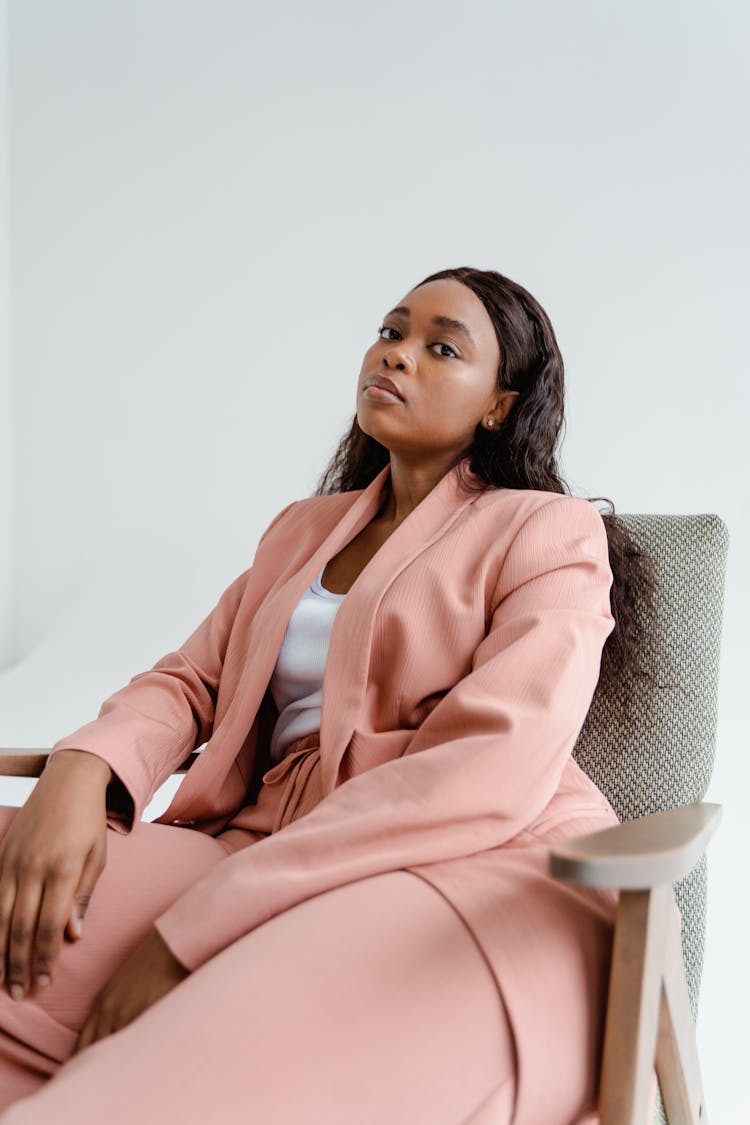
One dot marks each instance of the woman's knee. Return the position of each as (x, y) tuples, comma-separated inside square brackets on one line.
[(381, 975)]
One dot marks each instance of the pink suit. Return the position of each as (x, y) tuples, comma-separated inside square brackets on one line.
[(461, 666)]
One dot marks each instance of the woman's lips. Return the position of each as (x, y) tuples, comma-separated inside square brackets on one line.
[(378, 394)]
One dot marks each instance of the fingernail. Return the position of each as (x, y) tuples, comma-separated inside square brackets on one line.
[(16, 991), (76, 926), (43, 979)]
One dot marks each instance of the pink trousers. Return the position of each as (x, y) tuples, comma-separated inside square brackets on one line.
[(369, 1003)]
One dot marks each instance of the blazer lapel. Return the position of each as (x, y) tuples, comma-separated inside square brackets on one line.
[(348, 660)]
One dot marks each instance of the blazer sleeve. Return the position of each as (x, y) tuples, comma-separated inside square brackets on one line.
[(481, 766), (147, 728)]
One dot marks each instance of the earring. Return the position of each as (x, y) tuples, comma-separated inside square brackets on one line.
[(490, 422)]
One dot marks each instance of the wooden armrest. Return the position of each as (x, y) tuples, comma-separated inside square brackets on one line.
[(22, 763), (641, 853), (31, 762)]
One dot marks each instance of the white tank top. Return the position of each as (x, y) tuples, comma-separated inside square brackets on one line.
[(297, 681)]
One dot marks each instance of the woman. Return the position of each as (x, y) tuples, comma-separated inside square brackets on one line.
[(345, 913)]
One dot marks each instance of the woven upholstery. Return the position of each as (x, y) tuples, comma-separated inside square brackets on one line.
[(660, 753)]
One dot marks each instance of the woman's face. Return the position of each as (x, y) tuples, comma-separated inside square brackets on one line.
[(440, 349)]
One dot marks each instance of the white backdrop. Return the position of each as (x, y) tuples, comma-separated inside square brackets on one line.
[(210, 205)]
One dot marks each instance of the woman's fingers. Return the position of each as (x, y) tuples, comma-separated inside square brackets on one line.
[(7, 899), (45, 904), (89, 876), (87, 1035), (22, 929), (98, 1025), (53, 916), (34, 913)]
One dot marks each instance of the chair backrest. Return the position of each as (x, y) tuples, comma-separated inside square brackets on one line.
[(660, 754)]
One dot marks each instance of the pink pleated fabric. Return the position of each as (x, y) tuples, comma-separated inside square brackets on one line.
[(371, 1002), (289, 790)]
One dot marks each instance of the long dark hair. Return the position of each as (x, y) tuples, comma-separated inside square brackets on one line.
[(521, 454)]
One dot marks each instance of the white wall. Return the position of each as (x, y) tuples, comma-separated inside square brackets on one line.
[(212, 206), (6, 488)]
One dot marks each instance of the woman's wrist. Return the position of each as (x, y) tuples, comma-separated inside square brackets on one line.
[(90, 764)]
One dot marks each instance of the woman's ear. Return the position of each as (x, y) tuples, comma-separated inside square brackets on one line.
[(505, 403)]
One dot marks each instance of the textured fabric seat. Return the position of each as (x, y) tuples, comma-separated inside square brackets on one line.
[(659, 754)]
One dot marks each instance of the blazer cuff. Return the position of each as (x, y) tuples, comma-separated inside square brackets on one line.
[(120, 799), (176, 936)]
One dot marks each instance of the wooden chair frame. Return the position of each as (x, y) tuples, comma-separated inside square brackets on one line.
[(649, 1024)]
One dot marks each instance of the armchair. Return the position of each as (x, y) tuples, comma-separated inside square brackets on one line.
[(654, 764)]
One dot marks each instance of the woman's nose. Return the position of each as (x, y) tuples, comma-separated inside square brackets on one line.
[(399, 356)]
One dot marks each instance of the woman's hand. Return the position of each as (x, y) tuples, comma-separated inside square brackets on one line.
[(146, 975), (50, 859)]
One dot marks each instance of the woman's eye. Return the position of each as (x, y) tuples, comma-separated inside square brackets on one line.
[(438, 344)]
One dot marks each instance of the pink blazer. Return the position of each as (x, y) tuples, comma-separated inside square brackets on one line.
[(461, 666)]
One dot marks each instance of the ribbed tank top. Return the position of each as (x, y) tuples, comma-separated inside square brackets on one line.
[(297, 681)]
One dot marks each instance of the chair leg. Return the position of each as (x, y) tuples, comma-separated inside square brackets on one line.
[(676, 1050), (635, 988)]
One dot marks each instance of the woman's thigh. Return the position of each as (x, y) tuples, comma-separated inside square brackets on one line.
[(368, 1003), (145, 871)]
